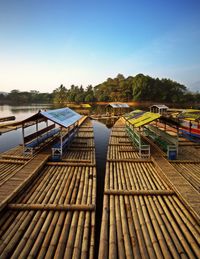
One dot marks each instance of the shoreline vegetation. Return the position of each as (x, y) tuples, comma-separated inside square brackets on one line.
[(135, 90)]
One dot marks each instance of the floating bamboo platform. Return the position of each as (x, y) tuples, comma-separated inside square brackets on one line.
[(190, 170), (51, 213), (144, 216)]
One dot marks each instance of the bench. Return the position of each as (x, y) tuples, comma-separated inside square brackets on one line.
[(136, 138), (167, 143), (38, 139), (60, 146)]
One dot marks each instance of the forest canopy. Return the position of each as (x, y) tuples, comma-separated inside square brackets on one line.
[(133, 88)]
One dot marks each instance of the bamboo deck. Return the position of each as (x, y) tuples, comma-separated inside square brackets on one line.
[(190, 170), (53, 216), (143, 217), (151, 207)]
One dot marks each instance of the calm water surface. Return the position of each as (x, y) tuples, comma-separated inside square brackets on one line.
[(14, 138)]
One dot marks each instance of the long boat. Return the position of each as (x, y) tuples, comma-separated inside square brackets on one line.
[(190, 123)]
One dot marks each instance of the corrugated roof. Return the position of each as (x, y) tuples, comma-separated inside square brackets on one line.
[(190, 114), (119, 105), (63, 117), (133, 114), (144, 118), (160, 106)]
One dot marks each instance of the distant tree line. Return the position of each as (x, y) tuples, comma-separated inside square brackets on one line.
[(133, 88), (17, 97), (137, 88)]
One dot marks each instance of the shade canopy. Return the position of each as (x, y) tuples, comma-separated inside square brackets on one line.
[(144, 118), (159, 106), (118, 105), (63, 117), (190, 114), (133, 114)]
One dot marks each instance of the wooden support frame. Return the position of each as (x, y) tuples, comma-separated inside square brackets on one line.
[(144, 149)]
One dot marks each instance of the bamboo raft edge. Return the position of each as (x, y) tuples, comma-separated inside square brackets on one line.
[(139, 192), (54, 207)]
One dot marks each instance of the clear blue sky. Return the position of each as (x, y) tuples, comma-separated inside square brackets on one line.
[(45, 43)]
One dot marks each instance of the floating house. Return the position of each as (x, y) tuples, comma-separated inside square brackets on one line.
[(159, 108), (117, 108), (57, 126)]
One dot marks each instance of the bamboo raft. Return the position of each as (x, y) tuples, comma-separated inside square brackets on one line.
[(53, 215), (143, 217), (190, 170)]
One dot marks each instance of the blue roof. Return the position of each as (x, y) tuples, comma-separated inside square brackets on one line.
[(64, 117)]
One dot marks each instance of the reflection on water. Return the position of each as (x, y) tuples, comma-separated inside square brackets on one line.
[(21, 112), (109, 122), (101, 138), (10, 140)]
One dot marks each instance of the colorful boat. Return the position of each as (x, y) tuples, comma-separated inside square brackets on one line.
[(190, 123)]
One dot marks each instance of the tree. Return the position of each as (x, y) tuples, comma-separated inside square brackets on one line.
[(60, 95)]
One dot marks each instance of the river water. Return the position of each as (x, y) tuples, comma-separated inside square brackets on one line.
[(14, 138)]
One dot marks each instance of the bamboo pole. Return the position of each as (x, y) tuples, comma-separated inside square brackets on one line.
[(73, 228), (104, 237), (132, 230), (191, 239), (159, 205), (81, 219), (10, 161), (138, 192), (144, 229), (54, 207), (120, 239), (126, 234), (31, 235), (15, 157), (67, 220)]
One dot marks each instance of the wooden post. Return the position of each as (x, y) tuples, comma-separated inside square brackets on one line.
[(61, 140), (37, 128), (23, 137)]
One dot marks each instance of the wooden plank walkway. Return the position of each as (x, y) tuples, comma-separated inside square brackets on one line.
[(179, 183), (143, 217), (14, 184), (190, 170)]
